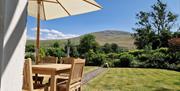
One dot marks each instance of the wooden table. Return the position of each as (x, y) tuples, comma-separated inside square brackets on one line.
[(51, 69)]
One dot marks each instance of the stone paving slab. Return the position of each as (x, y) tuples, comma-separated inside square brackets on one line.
[(88, 76)]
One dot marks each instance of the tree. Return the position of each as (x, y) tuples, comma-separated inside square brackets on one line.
[(177, 33), (68, 47), (115, 48), (154, 28), (56, 45), (74, 51), (87, 43), (107, 48)]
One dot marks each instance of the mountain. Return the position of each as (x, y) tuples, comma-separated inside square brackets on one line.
[(123, 39)]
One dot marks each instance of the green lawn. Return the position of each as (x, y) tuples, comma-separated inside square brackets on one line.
[(89, 69), (135, 79)]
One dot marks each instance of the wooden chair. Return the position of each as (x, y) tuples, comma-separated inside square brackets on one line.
[(46, 60), (49, 59), (66, 60), (74, 81), (27, 77)]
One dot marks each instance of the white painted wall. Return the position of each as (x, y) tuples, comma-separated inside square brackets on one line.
[(13, 15)]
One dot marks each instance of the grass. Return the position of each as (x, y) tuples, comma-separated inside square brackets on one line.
[(135, 79), (89, 69)]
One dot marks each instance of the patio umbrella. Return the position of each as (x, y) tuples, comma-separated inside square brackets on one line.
[(52, 9)]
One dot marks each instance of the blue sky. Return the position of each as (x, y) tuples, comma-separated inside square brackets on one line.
[(115, 15)]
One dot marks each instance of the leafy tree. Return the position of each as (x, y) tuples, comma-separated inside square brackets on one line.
[(95, 59), (74, 51), (177, 33), (72, 48), (87, 43), (57, 52), (68, 47), (111, 48), (154, 27), (115, 48), (56, 45), (107, 48)]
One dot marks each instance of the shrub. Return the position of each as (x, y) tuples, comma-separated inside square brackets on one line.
[(136, 52), (42, 52), (30, 48), (157, 60), (124, 60), (56, 45), (178, 67), (111, 62), (99, 59), (163, 50), (144, 57), (113, 55), (95, 59), (74, 52), (136, 63), (57, 52), (30, 55)]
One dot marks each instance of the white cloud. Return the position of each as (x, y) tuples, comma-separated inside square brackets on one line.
[(49, 34), (30, 38)]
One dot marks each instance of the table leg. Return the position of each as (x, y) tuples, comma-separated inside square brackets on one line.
[(53, 83), (36, 78)]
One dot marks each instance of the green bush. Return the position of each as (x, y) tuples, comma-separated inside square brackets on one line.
[(136, 52), (57, 52), (42, 52), (157, 60), (111, 62), (99, 59), (144, 57), (137, 63), (163, 50), (178, 67), (95, 59), (124, 60), (30, 48), (30, 55), (113, 55)]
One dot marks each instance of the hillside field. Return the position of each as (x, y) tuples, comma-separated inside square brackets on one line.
[(123, 39)]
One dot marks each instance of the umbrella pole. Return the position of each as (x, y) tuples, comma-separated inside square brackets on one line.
[(38, 35), (38, 39)]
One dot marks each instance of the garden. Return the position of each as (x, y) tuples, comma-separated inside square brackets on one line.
[(153, 65)]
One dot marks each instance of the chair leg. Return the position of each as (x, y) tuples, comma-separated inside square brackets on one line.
[(79, 89)]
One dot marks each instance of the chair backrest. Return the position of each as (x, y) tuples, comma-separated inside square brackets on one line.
[(49, 59), (76, 72), (27, 75), (66, 60)]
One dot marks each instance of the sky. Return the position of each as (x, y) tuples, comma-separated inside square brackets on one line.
[(115, 15)]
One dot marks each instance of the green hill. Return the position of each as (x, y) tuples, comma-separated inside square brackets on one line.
[(123, 39)]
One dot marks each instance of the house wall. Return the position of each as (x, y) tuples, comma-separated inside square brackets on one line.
[(13, 17), (1, 37)]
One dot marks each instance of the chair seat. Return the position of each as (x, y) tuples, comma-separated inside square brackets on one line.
[(35, 90), (63, 76), (63, 86)]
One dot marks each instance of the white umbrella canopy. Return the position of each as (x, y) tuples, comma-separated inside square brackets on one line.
[(52, 9)]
